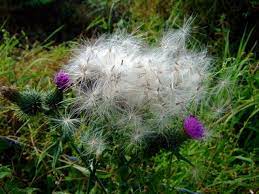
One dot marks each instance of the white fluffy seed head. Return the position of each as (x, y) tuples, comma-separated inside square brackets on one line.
[(93, 143), (138, 135), (121, 72)]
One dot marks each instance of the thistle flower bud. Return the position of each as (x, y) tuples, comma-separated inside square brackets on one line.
[(62, 80), (30, 102), (194, 128)]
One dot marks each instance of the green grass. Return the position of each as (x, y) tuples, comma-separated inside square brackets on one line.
[(226, 162)]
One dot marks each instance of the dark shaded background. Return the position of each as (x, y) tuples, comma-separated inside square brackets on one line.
[(40, 18)]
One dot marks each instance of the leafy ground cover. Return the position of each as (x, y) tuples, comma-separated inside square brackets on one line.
[(226, 162)]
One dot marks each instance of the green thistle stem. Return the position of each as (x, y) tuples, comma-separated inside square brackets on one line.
[(53, 99), (92, 172), (170, 163), (180, 157)]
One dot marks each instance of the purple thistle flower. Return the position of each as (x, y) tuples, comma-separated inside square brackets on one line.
[(194, 128), (62, 80)]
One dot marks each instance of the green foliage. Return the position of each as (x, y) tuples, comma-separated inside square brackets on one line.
[(38, 2), (7, 47), (5, 172), (23, 3), (7, 184)]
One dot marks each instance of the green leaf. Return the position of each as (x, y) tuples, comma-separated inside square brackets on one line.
[(57, 153), (103, 175), (44, 154), (3, 145), (5, 172), (29, 190), (244, 159), (83, 170)]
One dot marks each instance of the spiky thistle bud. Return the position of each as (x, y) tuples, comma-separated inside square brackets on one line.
[(55, 97), (194, 128), (30, 102), (170, 141)]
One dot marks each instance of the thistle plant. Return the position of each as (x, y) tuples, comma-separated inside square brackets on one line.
[(32, 102), (128, 100), (119, 78)]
